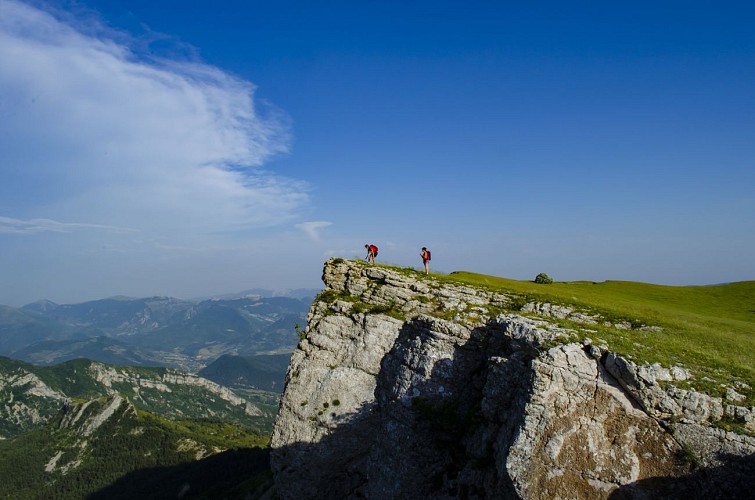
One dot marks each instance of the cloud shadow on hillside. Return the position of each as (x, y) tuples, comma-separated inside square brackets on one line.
[(240, 473)]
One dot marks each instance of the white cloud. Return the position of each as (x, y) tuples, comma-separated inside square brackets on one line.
[(312, 229), (33, 226), (92, 133)]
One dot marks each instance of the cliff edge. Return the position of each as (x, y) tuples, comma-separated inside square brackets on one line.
[(405, 386)]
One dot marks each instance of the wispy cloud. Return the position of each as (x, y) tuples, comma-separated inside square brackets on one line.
[(93, 132), (312, 229), (33, 226)]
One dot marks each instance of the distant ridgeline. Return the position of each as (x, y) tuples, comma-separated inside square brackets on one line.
[(470, 386), (156, 331), (71, 430)]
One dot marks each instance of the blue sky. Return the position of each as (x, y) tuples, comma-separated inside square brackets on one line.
[(188, 149)]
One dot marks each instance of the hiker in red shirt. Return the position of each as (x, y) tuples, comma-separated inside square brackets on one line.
[(425, 254), (372, 252)]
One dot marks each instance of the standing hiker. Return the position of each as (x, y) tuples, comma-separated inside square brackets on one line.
[(426, 256), (372, 252)]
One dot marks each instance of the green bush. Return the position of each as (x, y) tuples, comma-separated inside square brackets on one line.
[(543, 279)]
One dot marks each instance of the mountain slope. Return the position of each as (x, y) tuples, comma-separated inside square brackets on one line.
[(88, 446), (31, 395), (265, 372), (19, 328), (104, 349)]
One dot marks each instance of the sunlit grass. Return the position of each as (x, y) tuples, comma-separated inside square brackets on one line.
[(708, 329)]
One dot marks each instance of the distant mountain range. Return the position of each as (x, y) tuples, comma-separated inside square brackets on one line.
[(155, 331), (295, 293)]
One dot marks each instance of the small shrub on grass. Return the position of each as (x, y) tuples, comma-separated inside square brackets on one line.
[(543, 279)]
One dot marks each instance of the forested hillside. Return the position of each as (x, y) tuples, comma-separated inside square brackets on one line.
[(107, 448)]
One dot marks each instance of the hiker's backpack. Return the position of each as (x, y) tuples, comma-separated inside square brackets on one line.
[(427, 254), (374, 250)]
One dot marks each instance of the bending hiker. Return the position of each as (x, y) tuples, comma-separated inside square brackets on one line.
[(426, 256), (372, 252)]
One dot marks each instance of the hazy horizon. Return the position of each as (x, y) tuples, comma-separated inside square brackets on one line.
[(283, 292), (272, 293)]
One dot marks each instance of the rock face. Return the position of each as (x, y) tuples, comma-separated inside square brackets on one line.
[(83, 420), (404, 387)]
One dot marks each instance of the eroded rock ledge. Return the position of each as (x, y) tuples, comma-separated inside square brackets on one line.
[(406, 387)]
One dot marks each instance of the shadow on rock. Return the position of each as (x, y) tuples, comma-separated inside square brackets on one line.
[(427, 431), (733, 479)]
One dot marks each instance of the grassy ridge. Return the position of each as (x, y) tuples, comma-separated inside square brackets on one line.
[(711, 323), (708, 329)]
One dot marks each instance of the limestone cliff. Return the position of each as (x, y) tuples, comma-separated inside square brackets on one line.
[(403, 386)]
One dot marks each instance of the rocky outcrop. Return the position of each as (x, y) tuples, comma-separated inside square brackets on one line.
[(403, 387), (80, 422), (26, 401), (109, 376), (87, 417)]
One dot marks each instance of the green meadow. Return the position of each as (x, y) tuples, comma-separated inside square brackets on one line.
[(710, 330)]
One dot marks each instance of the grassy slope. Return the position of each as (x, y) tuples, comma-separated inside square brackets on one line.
[(708, 329)]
